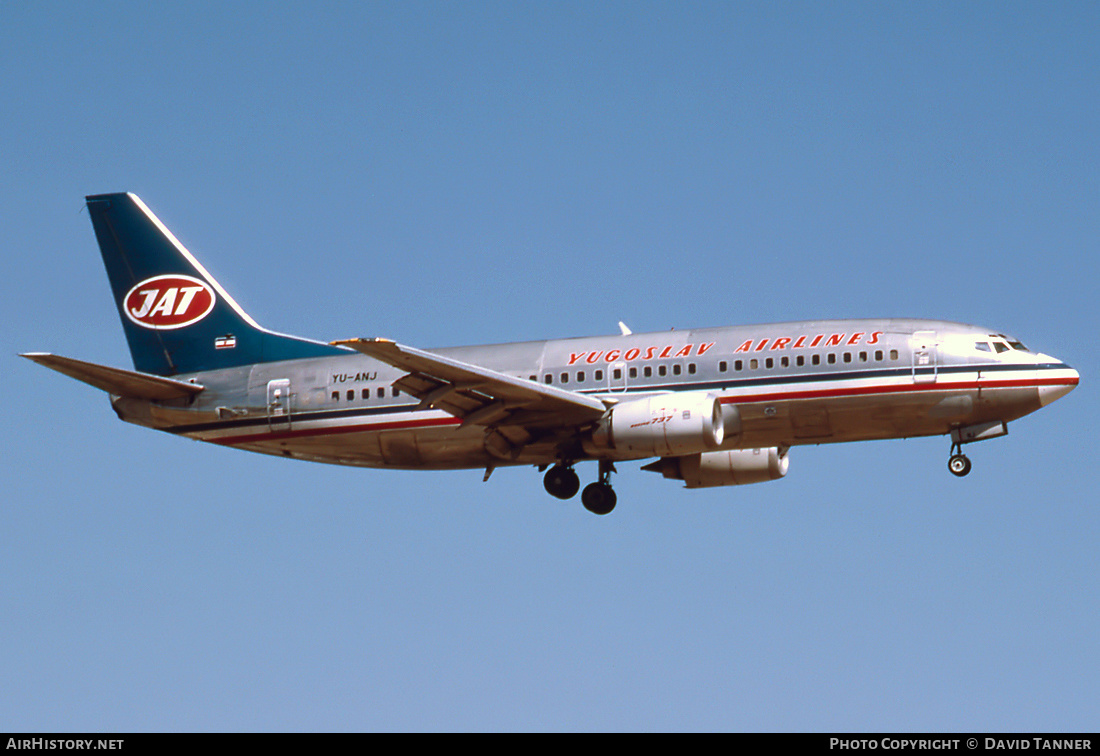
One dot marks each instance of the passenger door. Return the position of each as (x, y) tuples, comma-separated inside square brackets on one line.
[(925, 356), (278, 404)]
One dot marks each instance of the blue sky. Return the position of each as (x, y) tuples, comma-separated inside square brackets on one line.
[(452, 173)]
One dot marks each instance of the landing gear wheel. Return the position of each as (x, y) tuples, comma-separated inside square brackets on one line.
[(599, 498), (959, 464), (561, 482)]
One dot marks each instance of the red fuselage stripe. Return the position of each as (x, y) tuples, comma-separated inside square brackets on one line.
[(896, 389)]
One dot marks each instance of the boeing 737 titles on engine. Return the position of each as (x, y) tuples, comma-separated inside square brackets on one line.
[(713, 406)]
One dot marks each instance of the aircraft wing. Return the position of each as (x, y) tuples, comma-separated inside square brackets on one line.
[(478, 395), (115, 380)]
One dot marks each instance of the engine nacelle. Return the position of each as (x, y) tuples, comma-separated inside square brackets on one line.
[(664, 425), (737, 467)]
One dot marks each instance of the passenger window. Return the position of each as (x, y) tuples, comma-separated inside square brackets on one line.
[(878, 355), (738, 365), (548, 379), (893, 354), (565, 377), (617, 373), (351, 394), (769, 363), (335, 396), (816, 359), (691, 368), (753, 364), (648, 371), (599, 375), (366, 393), (722, 366), (662, 371), (847, 356), (862, 356), (580, 377), (633, 372), (800, 360), (785, 362), (676, 369), (396, 392), (832, 358), (381, 393)]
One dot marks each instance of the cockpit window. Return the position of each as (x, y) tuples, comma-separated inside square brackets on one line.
[(982, 346), (1004, 343)]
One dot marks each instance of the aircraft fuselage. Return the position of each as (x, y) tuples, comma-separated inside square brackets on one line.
[(791, 383)]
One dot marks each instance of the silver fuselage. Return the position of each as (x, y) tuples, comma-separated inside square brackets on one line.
[(795, 383)]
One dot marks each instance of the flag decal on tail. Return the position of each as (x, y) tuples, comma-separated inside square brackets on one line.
[(229, 341), (169, 301)]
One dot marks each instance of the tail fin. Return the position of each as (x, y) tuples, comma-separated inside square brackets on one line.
[(177, 318)]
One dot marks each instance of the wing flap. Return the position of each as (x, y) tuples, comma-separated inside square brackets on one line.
[(115, 380), (478, 395)]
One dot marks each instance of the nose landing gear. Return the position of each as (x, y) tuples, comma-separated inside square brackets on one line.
[(959, 465)]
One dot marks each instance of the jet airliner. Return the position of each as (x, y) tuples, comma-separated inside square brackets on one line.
[(709, 406)]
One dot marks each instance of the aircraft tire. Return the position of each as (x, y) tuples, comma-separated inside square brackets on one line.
[(959, 465), (599, 498), (561, 482)]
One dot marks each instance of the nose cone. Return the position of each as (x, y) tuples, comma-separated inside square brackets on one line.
[(1059, 382)]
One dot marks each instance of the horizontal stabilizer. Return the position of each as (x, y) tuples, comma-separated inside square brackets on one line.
[(116, 381)]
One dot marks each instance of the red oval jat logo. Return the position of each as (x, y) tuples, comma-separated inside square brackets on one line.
[(167, 302)]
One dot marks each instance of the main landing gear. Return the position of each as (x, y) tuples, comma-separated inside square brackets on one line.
[(561, 482), (598, 498)]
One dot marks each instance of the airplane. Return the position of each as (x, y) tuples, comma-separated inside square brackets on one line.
[(711, 406)]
